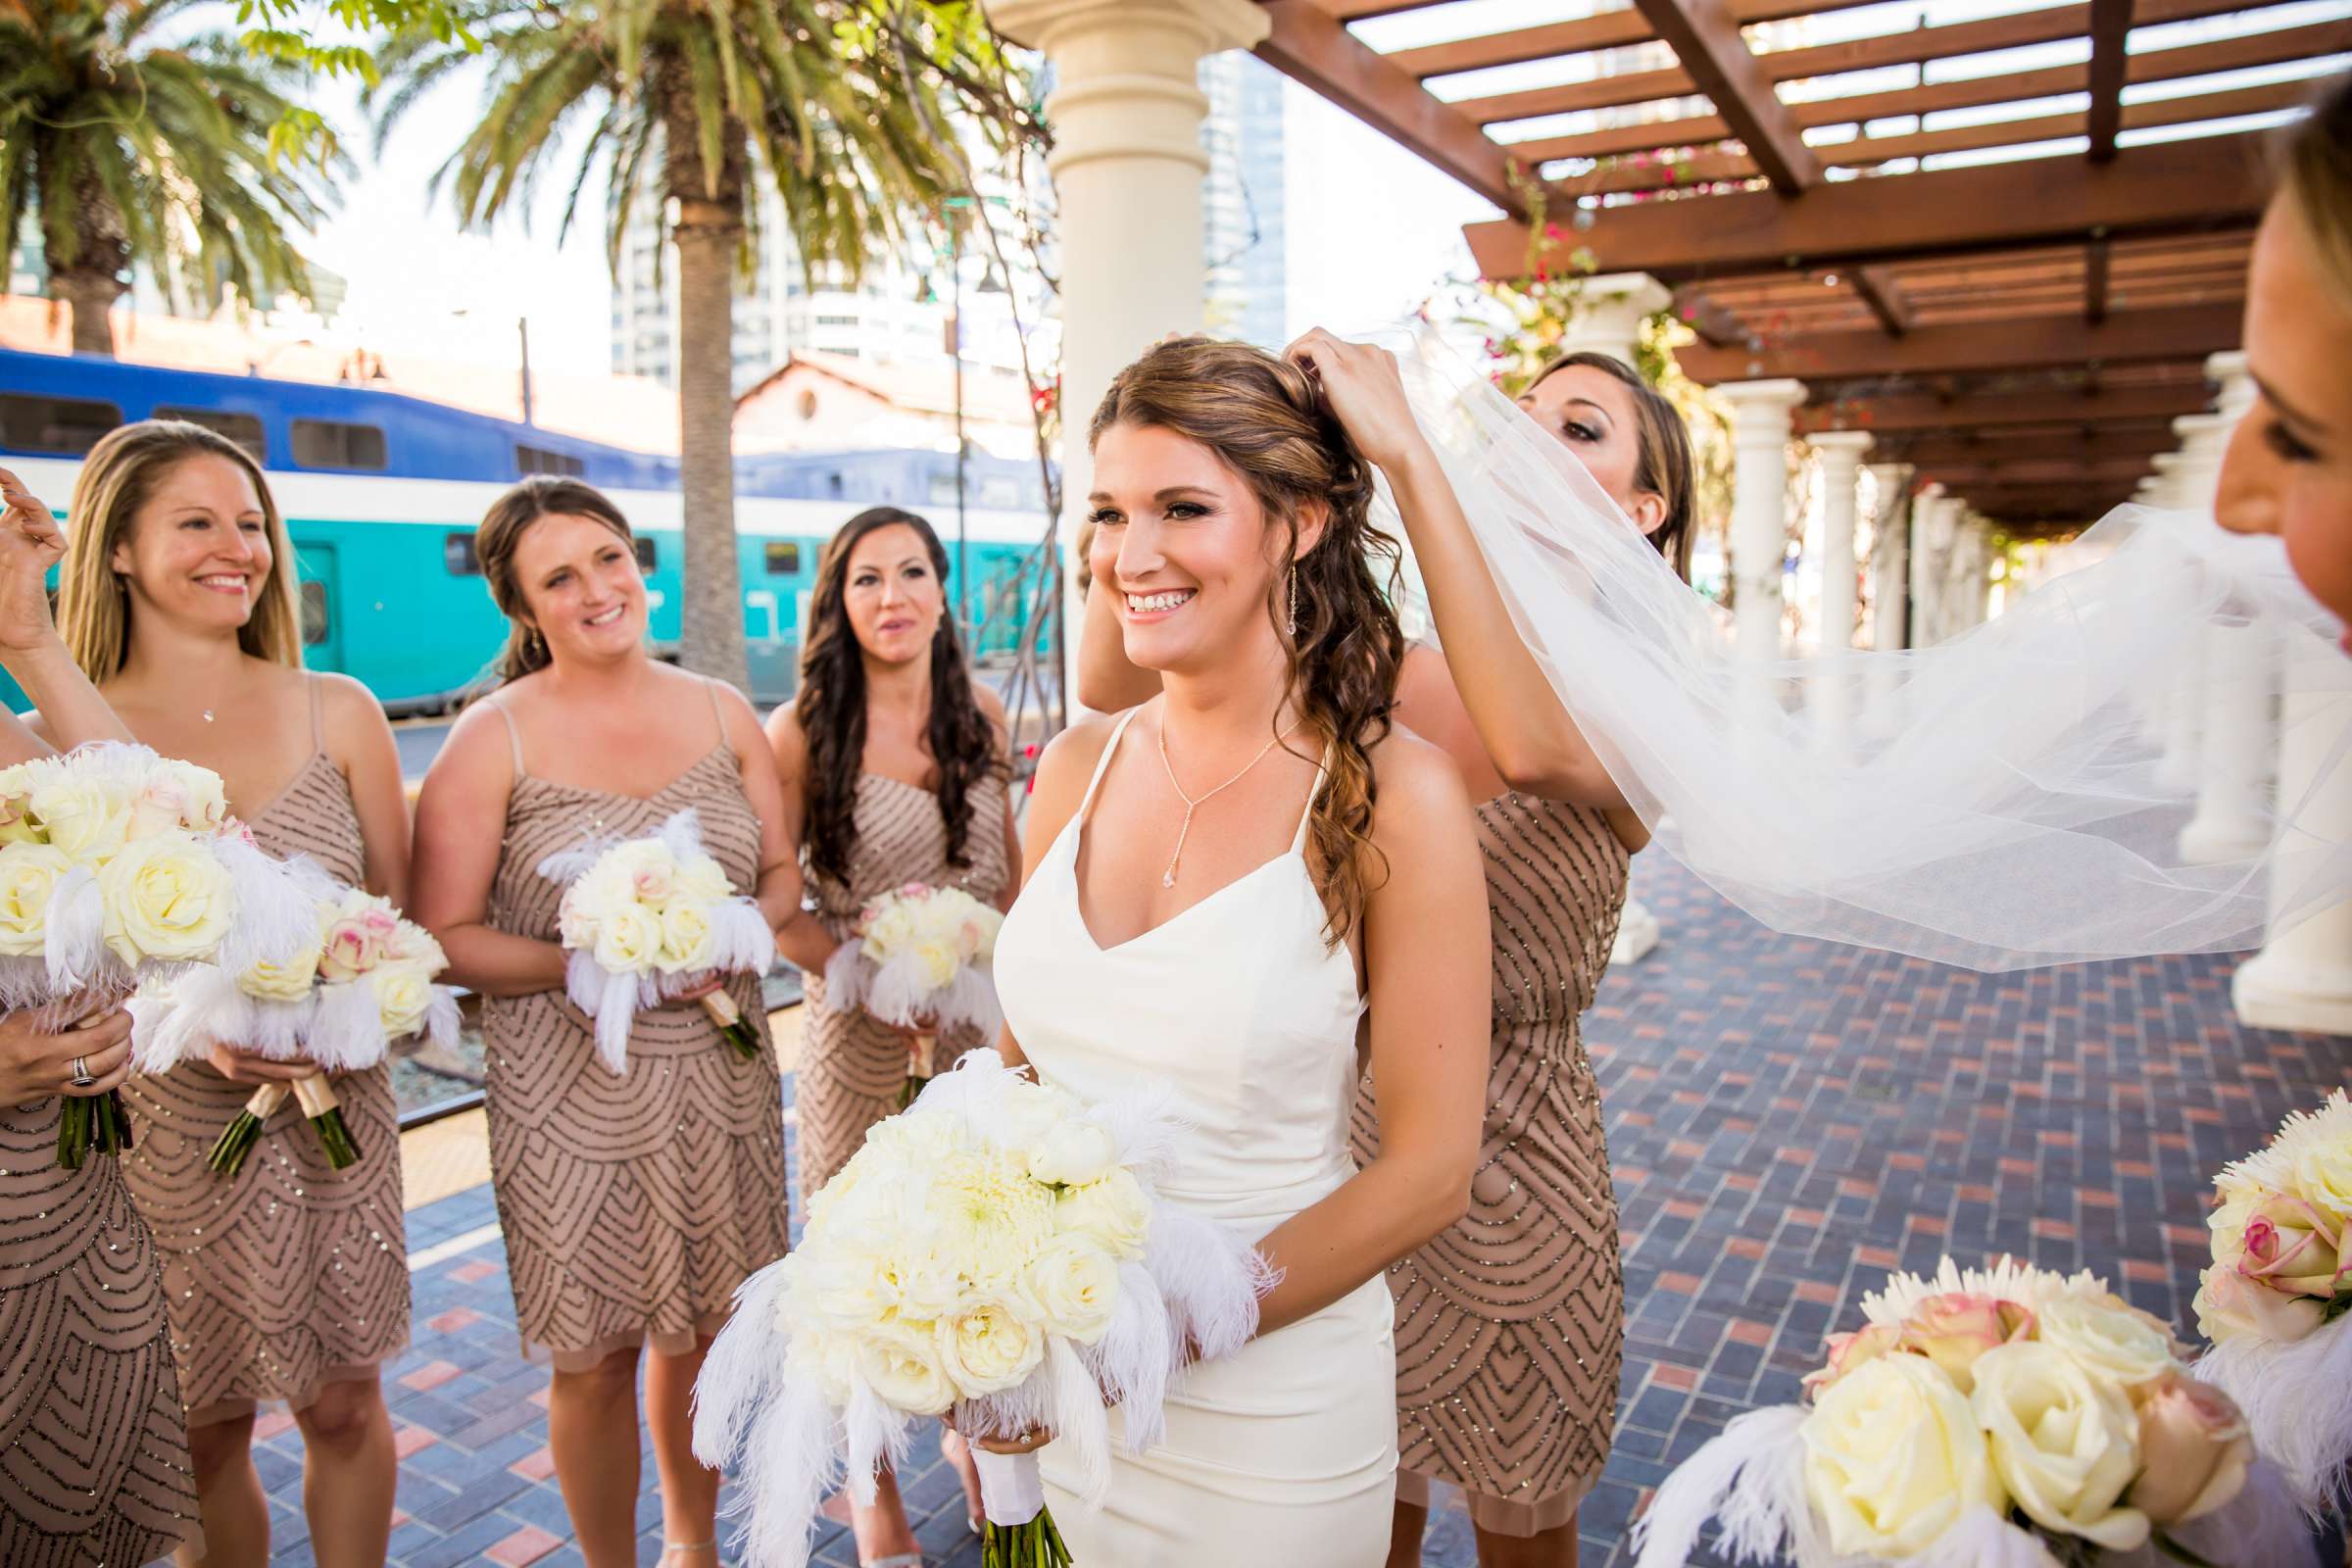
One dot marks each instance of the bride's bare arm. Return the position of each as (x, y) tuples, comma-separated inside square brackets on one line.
[(1061, 773), (1426, 956)]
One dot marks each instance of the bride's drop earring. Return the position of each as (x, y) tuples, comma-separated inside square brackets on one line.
[(1292, 628)]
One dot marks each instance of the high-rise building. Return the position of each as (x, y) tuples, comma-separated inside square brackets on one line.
[(1242, 199)]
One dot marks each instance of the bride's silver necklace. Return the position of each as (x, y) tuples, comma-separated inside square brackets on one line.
[(1167, 878)]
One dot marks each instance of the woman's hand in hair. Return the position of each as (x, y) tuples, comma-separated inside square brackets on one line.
[(1365, 392), (30, 543)]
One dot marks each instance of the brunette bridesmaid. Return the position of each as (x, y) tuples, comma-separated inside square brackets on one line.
[(632, 1206), (93, 1446), (290, 1280), (894, 766)]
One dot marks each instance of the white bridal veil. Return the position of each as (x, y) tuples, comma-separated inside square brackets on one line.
[(1994, 801)]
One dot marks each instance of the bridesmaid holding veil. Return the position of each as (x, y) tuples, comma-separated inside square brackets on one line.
[(1237, 892)]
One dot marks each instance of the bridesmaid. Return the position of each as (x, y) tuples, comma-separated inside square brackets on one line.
[(633, 1206), (95, 1467), (289, 1282), (893, 766), (1529, 1278)]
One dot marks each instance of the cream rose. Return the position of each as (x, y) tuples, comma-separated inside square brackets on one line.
[(704, 880), (987, 1349), (687, 941), (290, 981), (2193, 1449), (1073, 1285), (2121, 1344), (627, 939), (2296, 1247), (2064, 1440), (1893, 1457), (1111, 1212), (905, 1369), (2231, 1306), (29, 875), (1075, 1151), (938, 963), (2324, 1171), (167, 897), (404, 994), (88, 820)]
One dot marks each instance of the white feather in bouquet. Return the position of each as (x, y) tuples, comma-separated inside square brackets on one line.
[(645, 920), (2009, 1417), (922, 954), (2277, 1302), (1000, 1252)]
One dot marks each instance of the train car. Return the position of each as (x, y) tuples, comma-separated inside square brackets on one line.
[(381, 493)]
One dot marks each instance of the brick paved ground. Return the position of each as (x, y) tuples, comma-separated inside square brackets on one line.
[(1789, 1120)]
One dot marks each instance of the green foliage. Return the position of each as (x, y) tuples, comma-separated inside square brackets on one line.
[(125, 151)]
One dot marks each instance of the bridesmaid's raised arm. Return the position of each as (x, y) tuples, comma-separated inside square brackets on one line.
[(1107, 679), (72, 710), (460, 831)]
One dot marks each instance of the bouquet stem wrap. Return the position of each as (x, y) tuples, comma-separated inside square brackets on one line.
[(325, 1113), (244, 1130), (1016, 1531)]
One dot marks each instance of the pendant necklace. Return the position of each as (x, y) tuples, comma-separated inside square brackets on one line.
[(1167, 878)]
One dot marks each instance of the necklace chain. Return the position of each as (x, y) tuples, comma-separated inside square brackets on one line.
[(1167, 878)]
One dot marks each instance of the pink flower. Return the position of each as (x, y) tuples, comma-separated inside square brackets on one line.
[(1849, 1351), (351, 950), (1954, 1329), (2294, 1246), (2193, 1449)]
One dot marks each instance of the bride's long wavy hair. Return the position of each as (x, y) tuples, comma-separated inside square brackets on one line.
[(1266, 420)]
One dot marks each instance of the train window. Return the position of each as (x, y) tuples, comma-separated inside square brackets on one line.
[(783, 558), (456, 554), (64, 427), (538, 460), (312, 597), (333, 444), (648, 559), (242, 429)]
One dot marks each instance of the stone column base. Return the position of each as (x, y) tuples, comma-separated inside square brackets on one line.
[(1637, 933), (2277, 989)]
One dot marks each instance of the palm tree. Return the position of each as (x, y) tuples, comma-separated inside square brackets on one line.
[(126, 150), (843, 104)]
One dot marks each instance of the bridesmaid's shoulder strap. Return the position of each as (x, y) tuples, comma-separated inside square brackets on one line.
[(1086, 801), (1307, 818), (514, 736), (711, 690), (312, 683)]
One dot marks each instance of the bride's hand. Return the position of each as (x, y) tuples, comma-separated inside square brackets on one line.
[(1028, 1441), (1366, 390), (30, 543)]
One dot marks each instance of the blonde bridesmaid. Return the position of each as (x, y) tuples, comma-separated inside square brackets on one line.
[(893, 766), (633, 1206), (290, 1281)]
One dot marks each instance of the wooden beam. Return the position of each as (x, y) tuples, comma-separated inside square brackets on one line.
[(2110, 27), (2033, 342), (1361, 10), (1609, 30), (2245, 52), (2177, 187), (2141, 440), (1878, 289), (1310, 45), (1716, 58), (2055, 471), (2097, 259), (1904, 412)]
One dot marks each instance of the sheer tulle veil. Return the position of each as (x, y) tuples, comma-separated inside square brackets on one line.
[(1996, 800)]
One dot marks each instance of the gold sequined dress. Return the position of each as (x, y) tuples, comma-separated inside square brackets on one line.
[(290, 1275), (852, 1068), (1511, 1324), (93, 1451), (632, 1206)]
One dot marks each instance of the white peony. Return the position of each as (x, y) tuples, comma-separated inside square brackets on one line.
[(1076, 1151), (906, 1370), (1072, 1287), (988, 1347), (1111, 1212)]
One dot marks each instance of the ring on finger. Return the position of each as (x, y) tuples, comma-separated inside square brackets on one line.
[(82, 1073)]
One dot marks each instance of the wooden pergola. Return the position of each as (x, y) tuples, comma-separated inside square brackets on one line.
[(2023, 330)]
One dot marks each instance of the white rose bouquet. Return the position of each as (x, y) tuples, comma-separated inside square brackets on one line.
[(118, 867), (365, 980), (2277, 1300), (997, 1252), (647, 918), (2001, 1418), (920, 954)]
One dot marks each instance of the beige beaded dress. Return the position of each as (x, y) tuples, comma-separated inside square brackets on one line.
[(93, 1452), (1510, 1325), (852, 1068), (632, 1206), (291, 1274)]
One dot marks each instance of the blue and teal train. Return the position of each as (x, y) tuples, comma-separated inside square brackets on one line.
[(381, 493)]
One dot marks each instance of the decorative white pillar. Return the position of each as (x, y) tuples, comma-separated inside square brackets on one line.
[(2231, 679), (1841, 471), (2180, 695), (1932, 543), (2302, 978), (1127, 166), (1609, 312), (1760, 431), (1890, 554)]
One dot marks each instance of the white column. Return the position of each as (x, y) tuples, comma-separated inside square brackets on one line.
[(2180, 692), (2230, 681), (1841, 469), (2237, 381), (2302, 978), (1609, 312), (1760, 432), (1932, 544), (1127, 166), (1890, 554)]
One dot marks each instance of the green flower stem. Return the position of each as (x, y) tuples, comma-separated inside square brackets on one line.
[(1035, 1544), (91, 1124)]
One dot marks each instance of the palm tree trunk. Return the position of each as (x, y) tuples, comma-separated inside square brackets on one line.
[(85, 270), (709, 234), (89, 297)]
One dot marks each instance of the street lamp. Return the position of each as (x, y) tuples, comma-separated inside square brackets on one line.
[(523, 333)]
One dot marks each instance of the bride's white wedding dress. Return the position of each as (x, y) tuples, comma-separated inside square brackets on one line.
[(1285, 1453)]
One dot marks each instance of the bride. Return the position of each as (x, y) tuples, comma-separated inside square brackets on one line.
[(1236, 890)]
